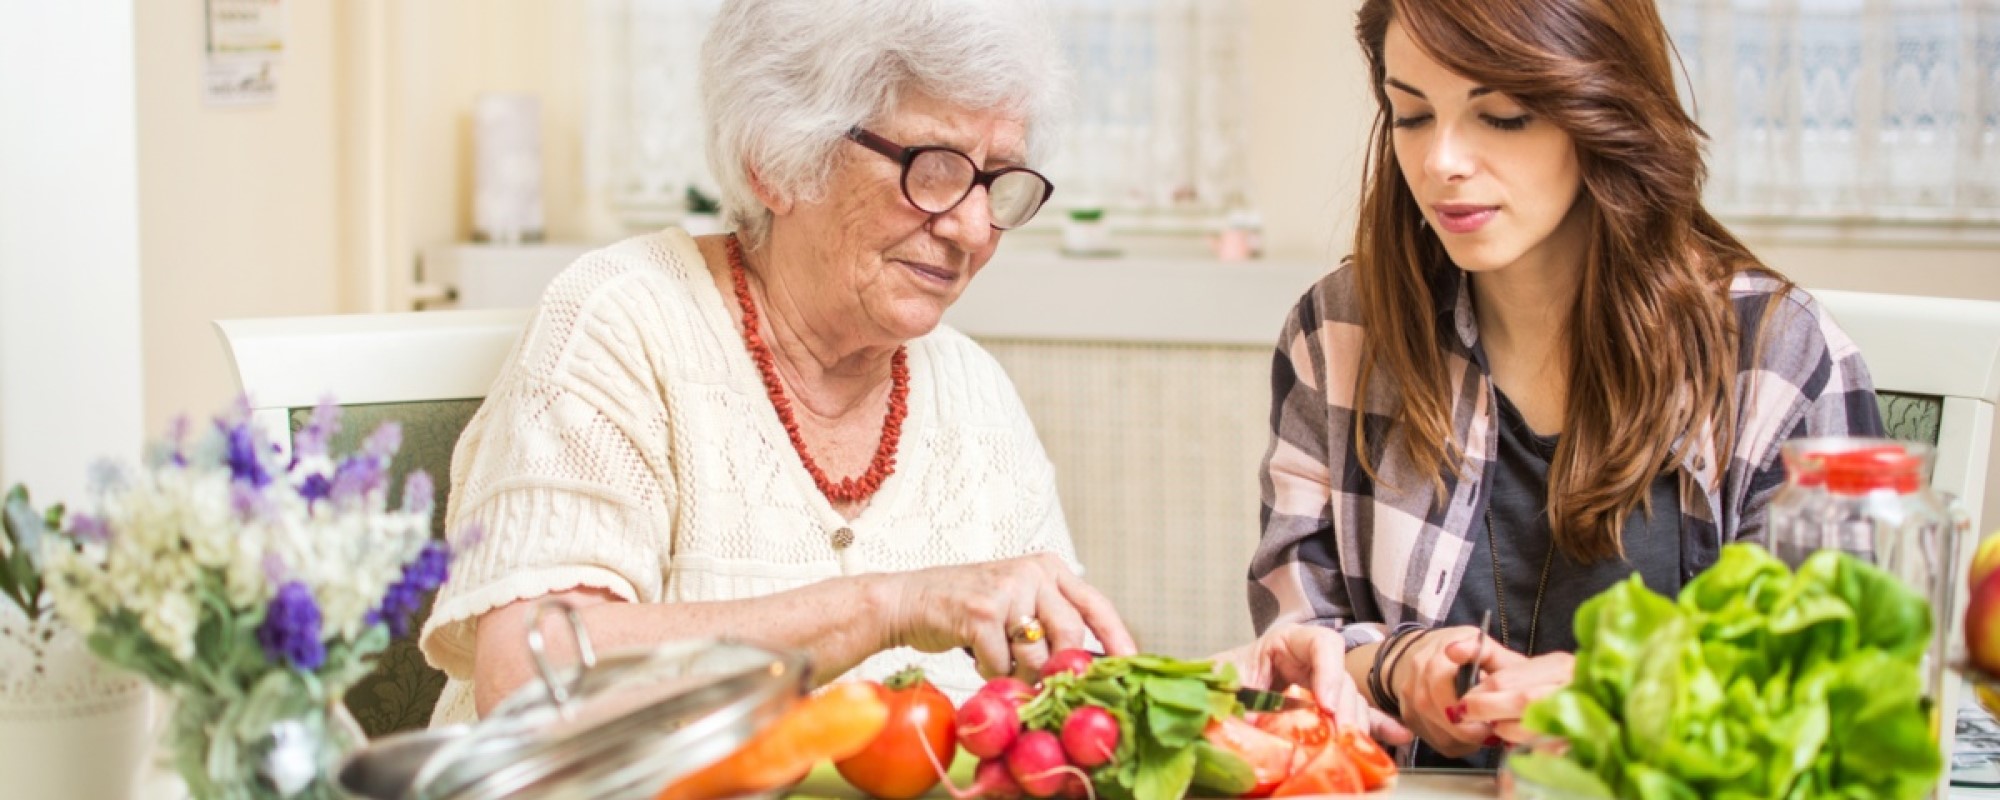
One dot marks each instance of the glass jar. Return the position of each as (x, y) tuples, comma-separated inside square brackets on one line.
[(1792, 518), (1871, 497)]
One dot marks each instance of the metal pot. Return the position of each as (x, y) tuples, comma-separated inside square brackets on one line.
[(624, 726)]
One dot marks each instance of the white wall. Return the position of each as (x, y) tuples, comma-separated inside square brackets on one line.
[(69, 246), (238, 207)]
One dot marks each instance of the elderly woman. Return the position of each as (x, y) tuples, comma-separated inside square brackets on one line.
[(768, 434)]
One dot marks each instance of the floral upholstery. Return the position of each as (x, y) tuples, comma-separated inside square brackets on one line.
[(1911, 417), (400, 692)]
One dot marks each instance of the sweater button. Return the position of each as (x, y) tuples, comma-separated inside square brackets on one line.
[(842, 538)]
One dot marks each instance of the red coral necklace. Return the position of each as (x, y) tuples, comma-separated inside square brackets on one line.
[(848, 490)]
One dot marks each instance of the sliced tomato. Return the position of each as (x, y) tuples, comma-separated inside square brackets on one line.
[(1330, 772), (1376, 767), (1269, 756), (1308, 726)]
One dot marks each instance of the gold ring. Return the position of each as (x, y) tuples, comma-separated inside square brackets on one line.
[(1027, 630)]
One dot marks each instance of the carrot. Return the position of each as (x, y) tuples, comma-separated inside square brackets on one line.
[(833, 724)]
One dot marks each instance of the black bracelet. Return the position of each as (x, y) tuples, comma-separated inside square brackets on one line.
[(1389, 673), (1376, 688)]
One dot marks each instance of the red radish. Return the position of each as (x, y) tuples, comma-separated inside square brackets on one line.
[(1036, 762), (1013, 689), (987, 724), (1090, 736), (992, 781), (1073, 660)]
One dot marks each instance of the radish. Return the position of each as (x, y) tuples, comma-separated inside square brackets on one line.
[(992, 781), (1090, 736), (1036, 762), (987, 724), (1073, 660), (1013, 689)]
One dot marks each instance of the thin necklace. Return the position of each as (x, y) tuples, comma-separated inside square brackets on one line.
[(1500, 589), (851, 489)]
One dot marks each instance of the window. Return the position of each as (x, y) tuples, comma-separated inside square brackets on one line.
[(1158, 130), (1885, 109)]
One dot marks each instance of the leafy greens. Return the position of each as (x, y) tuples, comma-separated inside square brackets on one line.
[(1755, 683)]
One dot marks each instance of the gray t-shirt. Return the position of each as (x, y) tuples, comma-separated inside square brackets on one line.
[(1518, 499)]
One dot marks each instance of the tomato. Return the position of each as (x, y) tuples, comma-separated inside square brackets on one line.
[(835, 723), (1270, 757), (896, 766), (1308, 726), (1375, 765), (1330, 772)]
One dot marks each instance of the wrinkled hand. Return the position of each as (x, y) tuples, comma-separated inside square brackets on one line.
[(1425, 680), (977, 605), (1316, 658), (1504, 694)]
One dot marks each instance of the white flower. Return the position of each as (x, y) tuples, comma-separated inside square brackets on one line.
[(172, 621)]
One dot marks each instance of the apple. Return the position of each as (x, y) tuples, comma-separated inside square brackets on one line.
[(1982, 624), (1985, 559)]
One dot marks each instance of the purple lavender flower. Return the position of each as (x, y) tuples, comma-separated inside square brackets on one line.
[(311, 441), (418, 492), (423, 575), (315, 488), (385, 441), (246, 463), (177, 431), (88, 528), (356, 476), (290, 632), (250, 502)]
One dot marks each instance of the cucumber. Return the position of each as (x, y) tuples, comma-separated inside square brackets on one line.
[(1221, 771)]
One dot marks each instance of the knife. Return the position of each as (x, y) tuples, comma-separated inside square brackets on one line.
[(1262, 701), (1468, 673)]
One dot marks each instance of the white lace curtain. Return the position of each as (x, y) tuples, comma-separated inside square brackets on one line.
[(1847, 108), (1159, 123)]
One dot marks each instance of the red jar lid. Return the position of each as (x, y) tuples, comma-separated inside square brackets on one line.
[(1869, 469)]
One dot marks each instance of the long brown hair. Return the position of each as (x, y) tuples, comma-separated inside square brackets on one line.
[(1653, 335)]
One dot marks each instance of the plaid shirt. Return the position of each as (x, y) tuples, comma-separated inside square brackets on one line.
[(1344, 551)]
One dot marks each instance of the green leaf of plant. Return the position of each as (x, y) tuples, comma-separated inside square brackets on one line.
[(1164, 771)]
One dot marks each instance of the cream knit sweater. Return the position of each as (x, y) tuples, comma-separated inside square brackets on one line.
[(628, 445)]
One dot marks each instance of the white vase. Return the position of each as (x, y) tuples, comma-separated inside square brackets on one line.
[(71, 726)]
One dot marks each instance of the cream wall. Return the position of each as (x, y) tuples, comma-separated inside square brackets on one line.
[(238, 211), (69, 251)]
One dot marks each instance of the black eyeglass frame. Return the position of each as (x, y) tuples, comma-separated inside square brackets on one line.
[(907, 155)]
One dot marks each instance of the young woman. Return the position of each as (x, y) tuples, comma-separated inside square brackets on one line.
[(1545, 368)]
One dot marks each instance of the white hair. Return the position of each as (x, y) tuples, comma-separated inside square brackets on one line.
[(782, 81)]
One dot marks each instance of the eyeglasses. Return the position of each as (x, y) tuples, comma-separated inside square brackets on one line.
[(937, 178)]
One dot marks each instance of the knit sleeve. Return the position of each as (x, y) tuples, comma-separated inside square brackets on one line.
[(561, 481)]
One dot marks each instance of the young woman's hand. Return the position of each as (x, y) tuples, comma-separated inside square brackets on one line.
[(1425, 680), (1316, 658), (1504, 694), (988, 606)]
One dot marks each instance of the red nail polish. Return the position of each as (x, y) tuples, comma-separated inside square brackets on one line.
[(1456, 714), (1495, 741)]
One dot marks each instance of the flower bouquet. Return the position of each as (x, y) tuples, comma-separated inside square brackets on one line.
[(252, 585)]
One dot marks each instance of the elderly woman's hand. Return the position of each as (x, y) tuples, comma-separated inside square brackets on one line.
[(984, 607), (1316, 658), (1504, 694)]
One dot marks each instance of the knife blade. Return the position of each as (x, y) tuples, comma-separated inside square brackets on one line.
[(1262, 701)]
